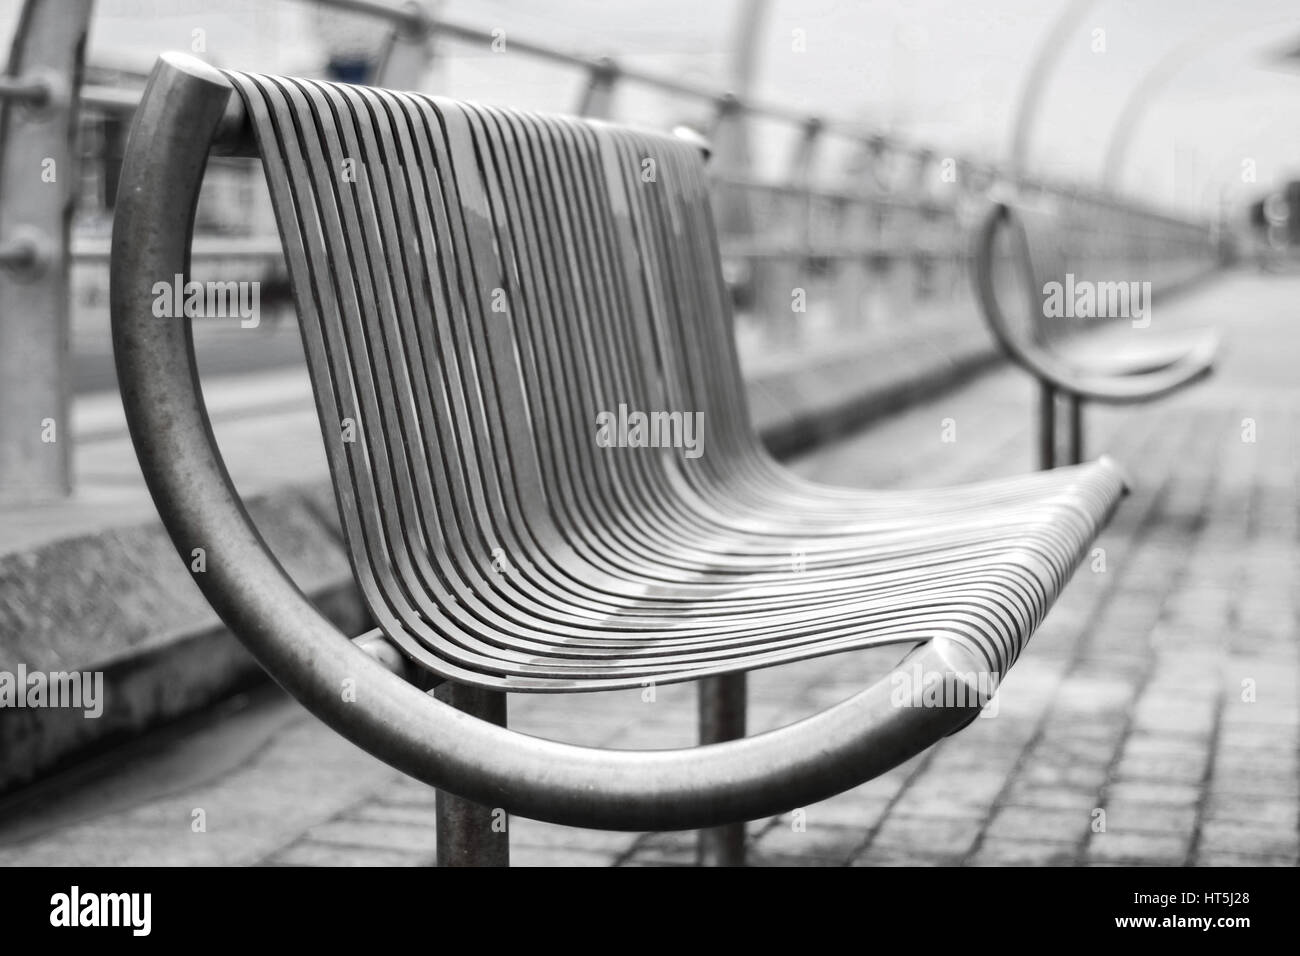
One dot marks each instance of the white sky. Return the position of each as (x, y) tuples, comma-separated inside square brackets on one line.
[(948, 73)]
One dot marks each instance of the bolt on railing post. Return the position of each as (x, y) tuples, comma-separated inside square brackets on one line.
[(597, 98), (37, 191), (408, 48)]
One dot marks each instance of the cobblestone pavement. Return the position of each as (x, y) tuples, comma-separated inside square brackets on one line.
[(1152, 720)]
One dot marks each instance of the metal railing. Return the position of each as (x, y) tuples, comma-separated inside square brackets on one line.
[(887, 235)]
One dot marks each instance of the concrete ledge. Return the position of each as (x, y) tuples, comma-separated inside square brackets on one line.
[(798, 409), (122, 603)]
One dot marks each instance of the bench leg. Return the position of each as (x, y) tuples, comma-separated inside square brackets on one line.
[(470, 834), (1046, 427), (1076, 430), (722, 717)]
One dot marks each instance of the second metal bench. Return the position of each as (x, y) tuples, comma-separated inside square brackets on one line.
[(1148, 364)]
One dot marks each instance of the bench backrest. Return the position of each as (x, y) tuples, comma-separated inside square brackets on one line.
[(1054, 261), (477, 287)]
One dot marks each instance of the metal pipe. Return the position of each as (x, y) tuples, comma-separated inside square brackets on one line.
[(597, 100), (20, 253), (722, 709), (1165, 70), (406, 51), (109, 99), (118, 101), (668, 84), (1046, 427), (409, 16), (1047, 56), (469, 833), (1076, 429), (18, 89), (38, 175), (95, 249), (234, 135), (419, 22), (603, 72)]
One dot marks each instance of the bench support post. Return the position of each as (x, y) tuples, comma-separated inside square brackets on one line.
[(1046, 427), (1076, 429), (722, 717), (470, 834)]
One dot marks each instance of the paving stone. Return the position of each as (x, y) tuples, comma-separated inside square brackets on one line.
[(526, 855), (973, 789), (1073, 776), (1026, 824), (1248, 838), (935, 836), (312, 853), (1077, 800), (1153, 849), (891, 856), (1131, 815), (663, 849), (853, 808), (524, 832), (377, 812), (1154, 792), (374, 835), (1168, 767), (1252, 810), (822, 842), (1214, 858), (1009, 852), (1266, 785)]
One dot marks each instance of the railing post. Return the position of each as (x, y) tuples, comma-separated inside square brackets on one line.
[(865, 280), (37, 190), (1076, 429), (408, 48), (729, 137), (921, 192), (799, 178), (733, 204), (797, 203), (597, 99), (1046, 427)]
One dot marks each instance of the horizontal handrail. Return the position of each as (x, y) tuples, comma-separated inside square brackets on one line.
[(99, 248), (417, 21)]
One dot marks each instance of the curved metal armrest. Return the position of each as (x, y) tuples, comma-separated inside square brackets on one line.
[(1078, 379), (811, 760)]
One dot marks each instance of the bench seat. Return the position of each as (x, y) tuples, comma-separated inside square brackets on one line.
[(1113, 355), (656, 566)]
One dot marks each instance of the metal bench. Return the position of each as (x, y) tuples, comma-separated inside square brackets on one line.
[(1049, 347), (475, 296)]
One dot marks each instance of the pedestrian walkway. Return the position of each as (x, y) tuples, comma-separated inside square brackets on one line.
[(1152, 720)]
